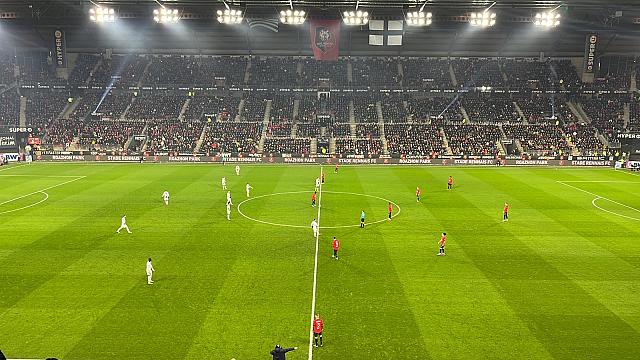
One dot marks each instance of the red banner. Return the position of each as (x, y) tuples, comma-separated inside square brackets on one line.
[(325, 39)]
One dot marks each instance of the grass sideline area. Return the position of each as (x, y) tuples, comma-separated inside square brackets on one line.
[(560, 280)]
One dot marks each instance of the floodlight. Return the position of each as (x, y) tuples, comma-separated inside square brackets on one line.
[(482, 19), (229, 16), (547, 19), (165, 15), (292, 17), (101, 14), (419, 18), (357, 17)]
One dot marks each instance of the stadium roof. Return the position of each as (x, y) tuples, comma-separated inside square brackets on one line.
[(326, 4)]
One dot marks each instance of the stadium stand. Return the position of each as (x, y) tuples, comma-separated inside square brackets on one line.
[(606, 114), (156, 107), (487, 108), (232, 137), (542, 139), (414, 139), (43, 107), (9, 108), (324, 73), (120, 70), (375, 72), (173, 136), (473, 139), (426, 73), (280, 71)]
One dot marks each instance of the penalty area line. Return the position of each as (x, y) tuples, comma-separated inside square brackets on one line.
[(598, 197)]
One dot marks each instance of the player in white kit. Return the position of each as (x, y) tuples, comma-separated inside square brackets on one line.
[(165, 196), (248, 188), (123, 225), (317, 184), (238, 170), (314, 226), (224, 183), (150, 271), (229, 202), (228, 211)]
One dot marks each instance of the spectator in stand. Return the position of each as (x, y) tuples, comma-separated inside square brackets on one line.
[(414, 139), (473, 140)]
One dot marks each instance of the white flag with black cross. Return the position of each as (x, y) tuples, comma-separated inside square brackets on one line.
[(386, 32)]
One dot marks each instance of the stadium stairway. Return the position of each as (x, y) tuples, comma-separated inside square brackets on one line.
[(184, 108), (518, 146), (265, 125), (94, 70), (247, 72), (201, 139), (383, 138), (296, 107), (583, 114), (332, 146), (144, 73), (520, 113), (576, 113), (634, 84), (464, 114), (313, 149), (240, 110), (445, 142), (452, 74), (379, 112), (501, 150), (294, 130), (349, 73), (626, 115), (352, 118), (70, 108), (23, 111), (144, 144), (124, 113)]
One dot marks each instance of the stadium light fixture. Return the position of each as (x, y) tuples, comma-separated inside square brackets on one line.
[(165, 15), (99, 14), (419, 18), (292, 17), (482, 19), (355, 17), (547, 19), (229, 16)]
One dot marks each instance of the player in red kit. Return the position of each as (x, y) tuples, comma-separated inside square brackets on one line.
[(390, 208), (442, 242), (418, 192), (450, 183), (505, 213), (336, 246), (318, 325), (313, 199), (335, 171)]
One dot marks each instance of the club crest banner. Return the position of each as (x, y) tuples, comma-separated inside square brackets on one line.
[(325, 39)]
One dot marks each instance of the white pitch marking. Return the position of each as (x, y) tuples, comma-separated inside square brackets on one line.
[(13, 167), (42, 176), (46, 196), (320, 227), (598, 197), (593, 202), (599, 181), (315, 273), (41, 190)]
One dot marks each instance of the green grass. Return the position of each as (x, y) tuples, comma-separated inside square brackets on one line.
[(560, 280)]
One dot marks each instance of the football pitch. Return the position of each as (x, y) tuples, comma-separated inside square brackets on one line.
[(559, 280)]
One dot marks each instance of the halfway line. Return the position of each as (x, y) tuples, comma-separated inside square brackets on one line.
[(315, 272)]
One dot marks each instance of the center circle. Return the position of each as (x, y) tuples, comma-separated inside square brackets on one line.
[(274, 223)]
